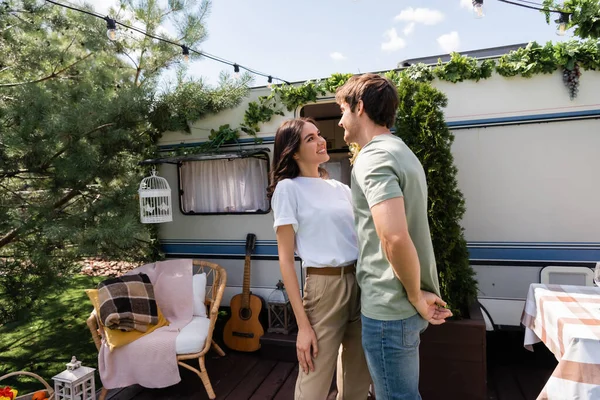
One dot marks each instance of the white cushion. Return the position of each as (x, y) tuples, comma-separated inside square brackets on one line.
[(192, 337), (199, 285)]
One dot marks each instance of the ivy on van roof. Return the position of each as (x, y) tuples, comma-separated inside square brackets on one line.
[(526, 62), (534, 59)]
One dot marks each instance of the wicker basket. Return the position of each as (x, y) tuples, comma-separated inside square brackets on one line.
[(31, 374)]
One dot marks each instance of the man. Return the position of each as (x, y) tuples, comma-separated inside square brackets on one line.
[(396, 267)]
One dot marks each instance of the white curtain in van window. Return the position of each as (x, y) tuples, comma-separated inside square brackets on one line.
[(235, 185)]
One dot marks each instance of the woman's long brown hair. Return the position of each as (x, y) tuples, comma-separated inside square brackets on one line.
[(287, 143)]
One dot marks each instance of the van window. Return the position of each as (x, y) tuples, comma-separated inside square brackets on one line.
[(224, 186)]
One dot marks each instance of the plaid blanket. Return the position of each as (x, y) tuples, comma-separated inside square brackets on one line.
[(127, 303)]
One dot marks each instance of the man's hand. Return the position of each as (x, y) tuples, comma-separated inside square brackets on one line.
[(304, 342), (431, 308)]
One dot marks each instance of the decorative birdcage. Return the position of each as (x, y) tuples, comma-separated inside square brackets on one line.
[(155, 200)]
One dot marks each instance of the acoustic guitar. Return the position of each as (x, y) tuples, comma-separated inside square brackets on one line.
[(243, 330)]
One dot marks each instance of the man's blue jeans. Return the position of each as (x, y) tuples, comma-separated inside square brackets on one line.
[(392, 352)]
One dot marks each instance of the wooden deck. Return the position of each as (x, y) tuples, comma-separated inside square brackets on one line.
[(237, 376), (513, 374)]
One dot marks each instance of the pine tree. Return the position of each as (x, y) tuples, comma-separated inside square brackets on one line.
[(75, 112), (420, 123)]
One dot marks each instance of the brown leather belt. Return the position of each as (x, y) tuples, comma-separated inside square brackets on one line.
[(330, 270)]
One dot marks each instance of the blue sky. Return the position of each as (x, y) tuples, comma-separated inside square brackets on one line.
[(315, 38)]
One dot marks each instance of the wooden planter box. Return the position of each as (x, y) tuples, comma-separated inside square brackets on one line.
[(453, 359)]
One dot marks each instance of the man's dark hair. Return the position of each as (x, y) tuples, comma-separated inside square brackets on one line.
[(378, 94)]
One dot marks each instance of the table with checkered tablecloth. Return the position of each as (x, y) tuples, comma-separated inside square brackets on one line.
[(566, 318)]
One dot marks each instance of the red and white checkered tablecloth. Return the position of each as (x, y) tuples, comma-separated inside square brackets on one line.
[(567, 319)]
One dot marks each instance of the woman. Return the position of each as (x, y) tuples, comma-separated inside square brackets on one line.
[(314, 218)]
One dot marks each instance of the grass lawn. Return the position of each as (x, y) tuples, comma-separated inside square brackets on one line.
[(45, 341)]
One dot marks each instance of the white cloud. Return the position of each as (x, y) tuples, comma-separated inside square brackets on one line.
[(421, 15), (468, 4), (449, 42), (337, 56), (393, 42), (409, 29)]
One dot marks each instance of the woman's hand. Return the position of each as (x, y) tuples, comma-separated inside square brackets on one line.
[(306, 341)]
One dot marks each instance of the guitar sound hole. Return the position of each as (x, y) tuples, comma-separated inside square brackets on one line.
[(245, 313)]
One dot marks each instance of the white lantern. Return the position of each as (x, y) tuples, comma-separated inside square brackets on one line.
[(75, 383), (280, 313), (155, 200)]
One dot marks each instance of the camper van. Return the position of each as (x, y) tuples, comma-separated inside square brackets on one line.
[(528, 160)]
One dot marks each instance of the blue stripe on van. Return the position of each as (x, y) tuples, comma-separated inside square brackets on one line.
[(524, 118), (533, 254), (532, 251), (534, 244), (215, 248), (480, 251)]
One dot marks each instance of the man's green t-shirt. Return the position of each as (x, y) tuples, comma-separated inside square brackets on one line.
[(384, 169)]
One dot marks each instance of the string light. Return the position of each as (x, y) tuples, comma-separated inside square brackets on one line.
[(111, 25), (111, 28), (186, 53), (269, 81), (562, 22), (236, 71)]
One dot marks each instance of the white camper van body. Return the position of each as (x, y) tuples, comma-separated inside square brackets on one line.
[(528, 163)]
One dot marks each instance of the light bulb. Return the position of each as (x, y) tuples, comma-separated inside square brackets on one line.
[(478, 10), (112, 34), (269, 82), (111, 28), (562, 22), (236, 71)]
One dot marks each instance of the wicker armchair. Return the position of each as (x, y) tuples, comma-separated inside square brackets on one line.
[(216, 281)]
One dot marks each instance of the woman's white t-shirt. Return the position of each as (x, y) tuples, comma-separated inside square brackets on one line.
[(320, 210)]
